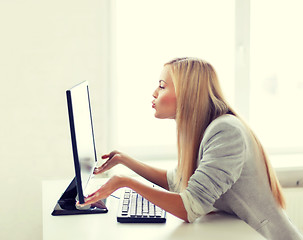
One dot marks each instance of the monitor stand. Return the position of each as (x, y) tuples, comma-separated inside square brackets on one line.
[(66, 205)]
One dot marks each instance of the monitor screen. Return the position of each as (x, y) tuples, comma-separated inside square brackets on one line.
[(82, 135)]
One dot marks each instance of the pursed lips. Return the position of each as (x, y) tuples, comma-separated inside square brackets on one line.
[(153, 104)]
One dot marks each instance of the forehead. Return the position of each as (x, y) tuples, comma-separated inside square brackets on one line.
[(165, 75)]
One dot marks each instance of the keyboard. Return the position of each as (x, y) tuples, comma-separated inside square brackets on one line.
[(133, 208)]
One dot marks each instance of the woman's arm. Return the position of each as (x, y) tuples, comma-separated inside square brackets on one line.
[(152, 174), (169, 201)]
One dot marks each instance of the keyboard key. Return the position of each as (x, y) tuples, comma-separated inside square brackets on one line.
[(126, 195), (124, 208)]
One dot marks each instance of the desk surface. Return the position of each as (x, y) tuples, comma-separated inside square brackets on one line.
[(105, 226)]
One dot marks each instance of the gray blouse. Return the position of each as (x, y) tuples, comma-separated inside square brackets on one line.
[(231, 176)]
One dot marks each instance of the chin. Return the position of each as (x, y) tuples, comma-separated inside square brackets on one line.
[(163, 117), (158, 116)]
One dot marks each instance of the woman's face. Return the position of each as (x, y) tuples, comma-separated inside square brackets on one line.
[(165, 102)]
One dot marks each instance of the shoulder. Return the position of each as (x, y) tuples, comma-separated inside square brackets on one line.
[(225, 135), (225, 122), (227, 125)]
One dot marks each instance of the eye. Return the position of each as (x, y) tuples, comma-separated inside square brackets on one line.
[(162, 84)]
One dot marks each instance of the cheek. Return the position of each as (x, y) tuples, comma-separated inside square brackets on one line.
[(168, 100)]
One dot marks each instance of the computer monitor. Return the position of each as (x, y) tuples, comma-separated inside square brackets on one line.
[(82, 135), (84, 153)]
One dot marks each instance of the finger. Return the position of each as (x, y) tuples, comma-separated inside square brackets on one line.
[(101, 168), (105, 156), (92, 199), (81, 204), (92, 195), (98, 170)]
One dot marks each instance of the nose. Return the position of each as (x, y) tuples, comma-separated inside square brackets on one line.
[(155, 94)]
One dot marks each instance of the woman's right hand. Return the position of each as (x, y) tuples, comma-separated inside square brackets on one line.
[(114, 158)]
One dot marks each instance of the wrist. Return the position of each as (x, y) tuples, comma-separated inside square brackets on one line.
[(124, 159), (128, 182), (122, 181)]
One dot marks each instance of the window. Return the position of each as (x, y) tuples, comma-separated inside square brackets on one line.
[(276, 74), (150, 33), (255, 46)]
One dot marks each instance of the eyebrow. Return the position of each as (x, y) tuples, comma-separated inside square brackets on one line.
[(162, 81)]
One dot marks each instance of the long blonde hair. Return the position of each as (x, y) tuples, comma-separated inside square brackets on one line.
[(199, 101)]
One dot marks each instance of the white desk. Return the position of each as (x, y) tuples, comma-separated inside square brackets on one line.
[(105, 226)]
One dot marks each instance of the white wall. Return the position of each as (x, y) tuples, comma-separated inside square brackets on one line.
[(45, 48)]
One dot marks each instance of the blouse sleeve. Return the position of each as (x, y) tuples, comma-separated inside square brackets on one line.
[(223, 153)]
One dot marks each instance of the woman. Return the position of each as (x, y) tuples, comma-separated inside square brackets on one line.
[(221, 164)]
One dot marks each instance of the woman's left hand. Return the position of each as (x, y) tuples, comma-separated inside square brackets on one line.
[(105, 190)]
